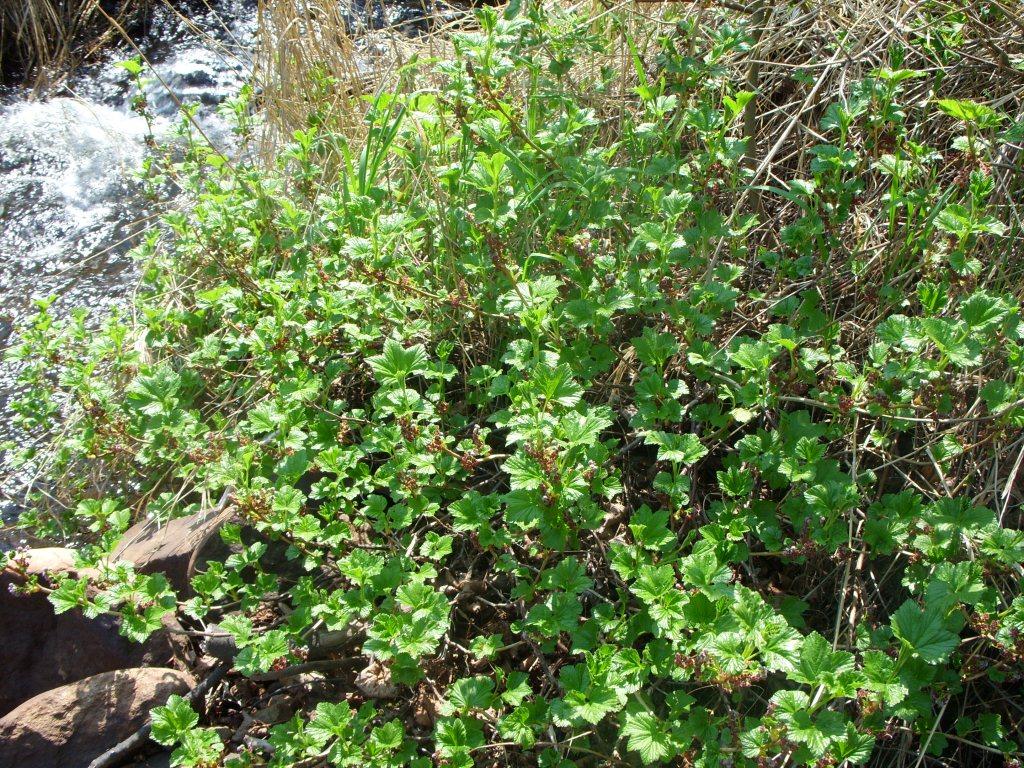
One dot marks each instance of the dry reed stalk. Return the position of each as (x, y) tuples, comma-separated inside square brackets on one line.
[(40, 40), (303, 46)]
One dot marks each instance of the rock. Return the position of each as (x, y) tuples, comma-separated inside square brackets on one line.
[(614, 515), (49, 560), (256, 744), (50, 563), (424, 711), (278, 709), (159, 760), (178, 641), (326, 642), (40, 650), (312, 682), (173, 548), (219, 644), (375, 682), (181, 547), (70, 726)]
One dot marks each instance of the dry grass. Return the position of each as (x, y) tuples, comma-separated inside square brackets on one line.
[(310, 59), (301, 42), (41, 39)]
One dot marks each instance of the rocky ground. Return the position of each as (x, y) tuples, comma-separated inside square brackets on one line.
[(74, 688), (76, 693)]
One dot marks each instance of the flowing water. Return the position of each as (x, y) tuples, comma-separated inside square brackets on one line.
[(69, 198), (71, 205)]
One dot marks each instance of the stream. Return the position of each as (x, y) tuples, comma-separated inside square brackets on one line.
[(71, 205)]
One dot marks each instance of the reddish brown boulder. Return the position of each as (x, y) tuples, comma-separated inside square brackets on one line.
[(70, 726), (56, 560), (170, 549), (40, 650)]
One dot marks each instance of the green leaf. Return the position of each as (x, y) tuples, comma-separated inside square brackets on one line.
[(556, 385), (473, 511), (486, 646), (267, 417), (882, 677), (200, 746), (472, 693), (998, 395), (754, 356), (70, 593), (783, 336), (650, 529), (653, 348), (570, 575), (585, 428), (702, 569), (591, 706), (971, 112), (262, 652), (854, 748), (330, 721), (525, 472), (521, 723), (391, 634), (962, 582), (422, 601), (818, 664), (396, 363), (156, 394), (952, 341), (955, 219), (983, 312), (656, 587), (592, 690), (676, 448), (648, 736), (517, 688), (654, 582), (172, 721), (385, 739), (458, 735), (560, 612), (436, 547), (132, 66), (103, 514), (736, 482), (815, 732), (922, 631)]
